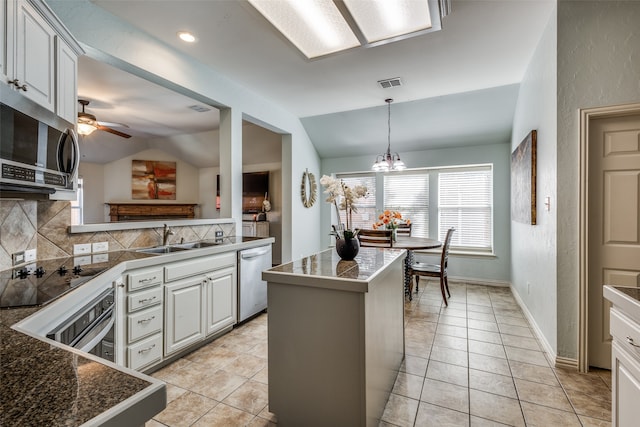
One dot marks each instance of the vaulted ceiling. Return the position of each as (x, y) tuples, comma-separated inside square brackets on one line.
[(460, 84)]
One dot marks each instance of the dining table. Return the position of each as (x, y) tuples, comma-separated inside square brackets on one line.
[(411, 244)]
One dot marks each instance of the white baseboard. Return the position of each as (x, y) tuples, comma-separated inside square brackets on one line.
[(485, 282), (567, 363), (551, 354)]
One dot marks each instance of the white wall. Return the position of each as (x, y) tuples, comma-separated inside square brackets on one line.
[(533, 247), (490, 269), (598, 65), (207, 192), (110, 39), (92, 175), (117, 183)]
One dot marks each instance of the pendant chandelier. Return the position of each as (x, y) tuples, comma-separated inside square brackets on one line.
[(387, 161)]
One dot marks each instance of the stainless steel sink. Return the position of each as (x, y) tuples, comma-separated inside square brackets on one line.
[(195, 245), (161, 249)]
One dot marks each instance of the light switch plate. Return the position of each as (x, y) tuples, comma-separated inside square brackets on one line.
[(100, 247), (84, 248), (30, 255)]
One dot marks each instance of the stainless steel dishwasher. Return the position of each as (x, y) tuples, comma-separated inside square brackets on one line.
[(252, 290)]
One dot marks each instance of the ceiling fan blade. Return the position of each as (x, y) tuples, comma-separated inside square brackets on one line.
[(113, 131), (112, 124)]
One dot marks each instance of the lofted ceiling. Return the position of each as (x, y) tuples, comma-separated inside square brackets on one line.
[(460, 84)]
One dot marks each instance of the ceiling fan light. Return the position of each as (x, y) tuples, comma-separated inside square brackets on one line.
[(85, 128)]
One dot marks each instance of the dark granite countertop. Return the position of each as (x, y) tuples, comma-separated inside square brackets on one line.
[(41, 384)]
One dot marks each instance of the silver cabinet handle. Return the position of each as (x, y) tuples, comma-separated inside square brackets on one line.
[(144, 350), (146, 320), (630, 341), (16, 83), (148, 279), (142, 301)]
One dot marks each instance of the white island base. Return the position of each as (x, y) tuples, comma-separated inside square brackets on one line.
[(336, 337)]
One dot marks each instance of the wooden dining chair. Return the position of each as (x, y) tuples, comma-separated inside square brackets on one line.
[(404, 230), (375, 238), (418, 269)]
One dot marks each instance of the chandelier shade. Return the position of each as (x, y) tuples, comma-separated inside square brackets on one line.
[(388, 161)]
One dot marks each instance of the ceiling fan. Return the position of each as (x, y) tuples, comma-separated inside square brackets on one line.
[(87, 123)]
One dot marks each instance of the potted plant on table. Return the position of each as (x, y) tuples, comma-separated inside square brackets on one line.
[(343, 198), (390, 220)]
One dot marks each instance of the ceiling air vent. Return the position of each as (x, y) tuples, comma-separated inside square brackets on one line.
[(199, 108), (389, 83)]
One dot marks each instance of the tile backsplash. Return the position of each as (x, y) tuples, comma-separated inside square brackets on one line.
[(44, 225)]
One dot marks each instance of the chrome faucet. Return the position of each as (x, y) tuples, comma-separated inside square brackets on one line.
[(165, 234)]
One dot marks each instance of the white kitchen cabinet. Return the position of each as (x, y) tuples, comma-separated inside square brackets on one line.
[(38, 56), (625, 372), (66, 81), (255, 228), (184, 313), (34, 56), (221, 307), (6, 38), (141, 326)]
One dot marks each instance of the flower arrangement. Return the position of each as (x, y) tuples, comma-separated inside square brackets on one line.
[(390, 220), (337, 190)]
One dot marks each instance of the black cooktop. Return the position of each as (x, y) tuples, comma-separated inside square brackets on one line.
[(43, 281)]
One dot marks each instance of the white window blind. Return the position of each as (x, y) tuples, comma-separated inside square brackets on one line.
[(366, 207), (465, 202), (408, 193), (77, 206)]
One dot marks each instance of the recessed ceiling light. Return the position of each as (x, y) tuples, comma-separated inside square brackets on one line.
[(186, 36)]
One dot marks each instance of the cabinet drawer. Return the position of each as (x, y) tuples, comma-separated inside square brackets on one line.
[(145, 352), (626, 332), (144, 299), (144, 323), (192, 267), (144, 278)]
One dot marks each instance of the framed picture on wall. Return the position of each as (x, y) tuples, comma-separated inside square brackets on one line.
[(152, 179), (523, 180)]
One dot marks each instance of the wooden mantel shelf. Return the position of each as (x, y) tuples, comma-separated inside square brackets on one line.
[(148, 211)]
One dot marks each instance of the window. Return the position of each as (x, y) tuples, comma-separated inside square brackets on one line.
[(408, 193), (76, 206), (366, 207), (465, 201)]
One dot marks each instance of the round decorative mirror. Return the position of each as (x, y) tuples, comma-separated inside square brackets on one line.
[(308, 189)]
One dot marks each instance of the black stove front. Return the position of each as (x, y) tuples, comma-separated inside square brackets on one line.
[(41, 282)]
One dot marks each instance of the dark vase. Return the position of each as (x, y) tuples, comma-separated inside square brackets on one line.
[(347, 248)]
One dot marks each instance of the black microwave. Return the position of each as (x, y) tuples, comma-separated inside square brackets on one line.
[(39, 155)]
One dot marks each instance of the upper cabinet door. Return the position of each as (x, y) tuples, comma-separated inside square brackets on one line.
[(35, 55), (66, 81), (6, 40)]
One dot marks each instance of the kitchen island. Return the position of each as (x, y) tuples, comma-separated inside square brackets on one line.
[(336, 337)]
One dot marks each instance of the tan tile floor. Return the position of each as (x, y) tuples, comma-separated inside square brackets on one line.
[(473, 363)]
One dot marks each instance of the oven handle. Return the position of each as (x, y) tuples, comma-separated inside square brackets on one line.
[(96, 333)]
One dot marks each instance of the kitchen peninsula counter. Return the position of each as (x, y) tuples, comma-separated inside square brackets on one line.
[(46, 383), (336, 337)]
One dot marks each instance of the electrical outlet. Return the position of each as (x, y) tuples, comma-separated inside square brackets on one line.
[(18, 257), (84, 248), (219, 233), (100, 247), (30, 255)]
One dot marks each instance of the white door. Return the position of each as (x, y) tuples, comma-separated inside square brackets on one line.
[(614, 213)]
